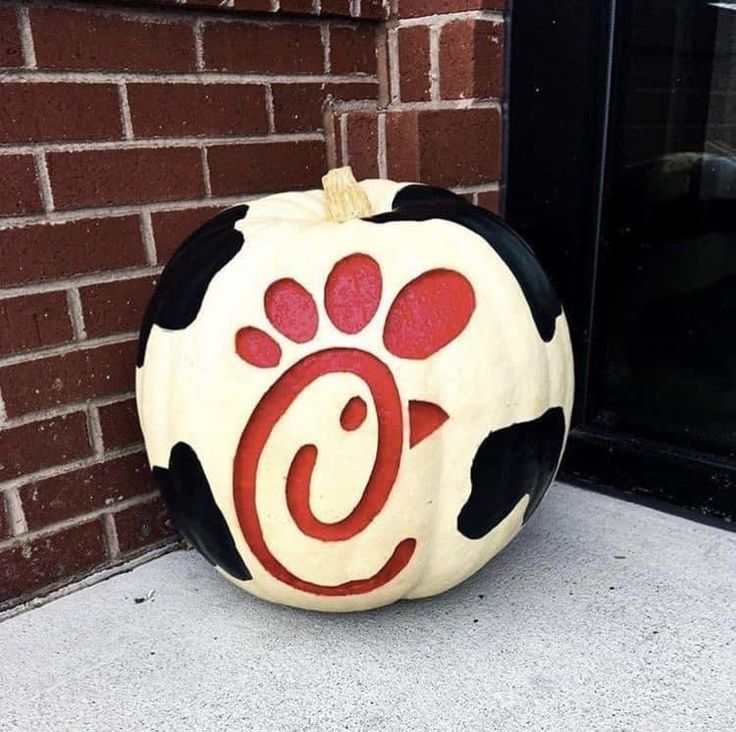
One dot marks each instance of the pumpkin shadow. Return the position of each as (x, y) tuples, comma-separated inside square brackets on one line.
[(506, 583)]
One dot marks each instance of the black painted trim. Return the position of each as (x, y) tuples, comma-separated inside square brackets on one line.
[(687, 483), (185, 279)]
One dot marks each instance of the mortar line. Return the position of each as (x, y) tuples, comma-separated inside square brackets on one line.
[(434, 63), (64, 409), (125, 119), (98, 278), (149, 242), (44, 180), (444, 18), (22, 75), (80, 214), (26, 37), (381, 144), (270, 115), (57, 470), (84, 518), (167, 14), (66, 348), (393, 65), (324, 33), (76, 314), (206, 171), (198, 44), (94, 426), (111, 536), (450, 104), (152, 143), (16, 514), (479, 188)]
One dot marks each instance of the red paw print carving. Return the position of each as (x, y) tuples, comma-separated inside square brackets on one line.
[(426, 314)]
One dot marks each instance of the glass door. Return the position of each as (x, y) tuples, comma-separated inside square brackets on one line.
[(632, 207)]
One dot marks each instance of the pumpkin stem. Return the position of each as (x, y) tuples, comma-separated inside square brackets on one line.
[(344, 198)]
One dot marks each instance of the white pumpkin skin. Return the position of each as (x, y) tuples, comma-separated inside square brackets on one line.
[(449, 501)]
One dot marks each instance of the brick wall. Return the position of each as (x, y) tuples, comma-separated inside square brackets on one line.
[(121, 130), (441, 119)]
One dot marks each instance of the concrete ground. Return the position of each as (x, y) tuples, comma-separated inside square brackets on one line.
[(602, 615)]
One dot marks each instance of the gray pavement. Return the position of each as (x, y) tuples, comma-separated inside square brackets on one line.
[(602, 615)]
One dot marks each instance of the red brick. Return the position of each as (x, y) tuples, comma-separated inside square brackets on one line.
[(362, 131), (119, 422), (4, 520), (281, 48), (109, 177), (490, 200), (197, 109), (171, 228), (471, 59), (299, 107), (90, 39), (336, 7), (444, 147), (40, 111), (33, 321), (296, 6), (44, 561), (414, 79), (11, 54), (268, 166), (49, 501), (48, 251), (72, 377), (259, 5), (143, 526), (353, 50), (402, 148), (38, 445), (115, 307), (19, 192), (419, 8)]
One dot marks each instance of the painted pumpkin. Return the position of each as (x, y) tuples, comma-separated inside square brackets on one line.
[(344, 413)]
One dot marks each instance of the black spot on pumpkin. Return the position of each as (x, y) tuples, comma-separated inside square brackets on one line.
[(416, 195), (421, 203), (185, 279), (511, 462), (188, 496)]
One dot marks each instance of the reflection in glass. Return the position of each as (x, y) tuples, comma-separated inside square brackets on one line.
[(665, 342)]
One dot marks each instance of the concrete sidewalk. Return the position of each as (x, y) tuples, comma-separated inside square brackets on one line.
[(602, 615)]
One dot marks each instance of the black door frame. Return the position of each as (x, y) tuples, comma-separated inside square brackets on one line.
[(561, 78)]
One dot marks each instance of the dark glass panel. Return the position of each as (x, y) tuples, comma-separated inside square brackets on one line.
[(665, 337)]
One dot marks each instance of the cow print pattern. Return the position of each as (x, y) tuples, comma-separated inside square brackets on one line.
[(188, 497), (185, 279)]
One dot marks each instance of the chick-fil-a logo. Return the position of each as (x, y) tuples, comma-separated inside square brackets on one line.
[(427, 313)]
